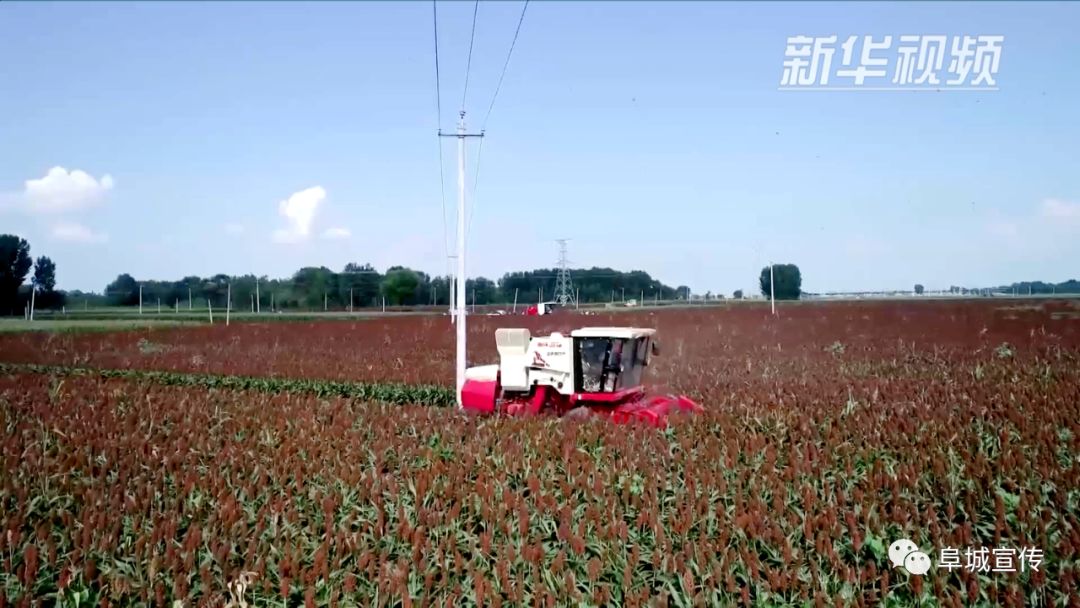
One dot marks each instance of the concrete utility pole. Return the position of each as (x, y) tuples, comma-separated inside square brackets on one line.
[(258, 305), (460, 275), (228, 303), (140, 298), (453, 290), (772, 288), (189, 298)]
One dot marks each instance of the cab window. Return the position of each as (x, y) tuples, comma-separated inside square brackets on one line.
[(592, 355), (632, 363), (607, 365)]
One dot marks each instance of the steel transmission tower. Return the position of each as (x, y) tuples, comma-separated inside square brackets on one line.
[(564, 288)]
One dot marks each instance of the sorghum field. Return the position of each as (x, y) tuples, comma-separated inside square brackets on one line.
[(832, 430)]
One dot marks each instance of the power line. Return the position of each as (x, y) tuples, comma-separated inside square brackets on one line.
[(491, 106), (506, 64), (438, 125), (468, 62), (438, 89), (442, 197)]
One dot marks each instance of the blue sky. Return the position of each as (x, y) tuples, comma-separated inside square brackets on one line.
[(652, 135)]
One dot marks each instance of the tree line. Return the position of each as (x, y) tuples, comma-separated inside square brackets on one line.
[(1039, 288), (361, 285), (355, 286), (15, 265), (313, 288)]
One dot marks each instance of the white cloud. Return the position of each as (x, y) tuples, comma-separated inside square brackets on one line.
[(62, 190), (234, 228), (1042, 231), (299, 211), (1054, 208), (336, 233), (77, 233), (1053, 216)]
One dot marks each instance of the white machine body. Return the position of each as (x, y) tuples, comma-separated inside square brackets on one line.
[(525, 361)]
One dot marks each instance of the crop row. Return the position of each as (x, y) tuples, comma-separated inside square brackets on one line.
[(382, 393), (699, 346)]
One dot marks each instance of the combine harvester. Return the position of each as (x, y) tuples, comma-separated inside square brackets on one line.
[(540, 309), (595, 371)]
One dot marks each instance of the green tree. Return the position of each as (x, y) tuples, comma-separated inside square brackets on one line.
[(400, 285), (919, 289), (124, 291), (308, 287), (786, 277), (422, 293), (314, 286), (738, 294), (14, 265), (217, 289), (441, 286), (482, 291), (44, 275), (591, 284), (85, 298), (44, 282), (189, 287), (362, 280)]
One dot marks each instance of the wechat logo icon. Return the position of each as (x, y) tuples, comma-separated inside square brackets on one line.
[(904, 554)]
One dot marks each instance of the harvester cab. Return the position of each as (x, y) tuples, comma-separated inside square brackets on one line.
[(595, 371)]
